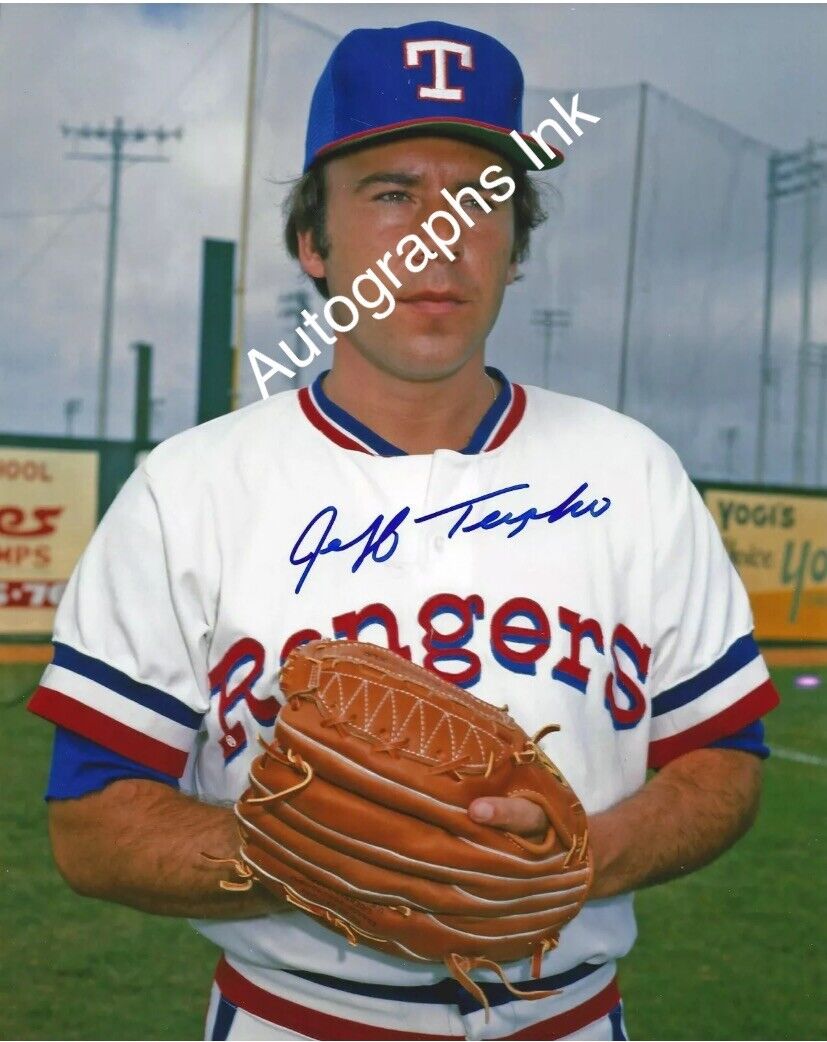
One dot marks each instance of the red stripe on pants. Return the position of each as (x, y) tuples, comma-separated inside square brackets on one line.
[(280, 1012)]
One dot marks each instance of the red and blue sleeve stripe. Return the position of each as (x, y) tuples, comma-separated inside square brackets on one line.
[(719, 701), (136, 720)]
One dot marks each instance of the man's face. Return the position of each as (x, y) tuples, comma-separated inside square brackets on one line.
[(444, 313)]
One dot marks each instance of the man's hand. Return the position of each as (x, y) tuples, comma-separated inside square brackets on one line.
[(511, 813), (694, 809)]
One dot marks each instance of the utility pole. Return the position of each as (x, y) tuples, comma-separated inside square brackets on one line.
[(549, 319), (244, 229), (631, 258), (71, 407), (117, 136)]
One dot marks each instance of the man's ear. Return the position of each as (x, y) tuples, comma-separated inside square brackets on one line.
[(511, 274), (310, 259)]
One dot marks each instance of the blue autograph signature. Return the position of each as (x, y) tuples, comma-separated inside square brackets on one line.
[(381, 537)]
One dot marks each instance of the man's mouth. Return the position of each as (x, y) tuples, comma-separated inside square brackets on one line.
[(433, 302)]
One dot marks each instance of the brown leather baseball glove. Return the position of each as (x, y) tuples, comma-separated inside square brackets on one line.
[(357, 814)]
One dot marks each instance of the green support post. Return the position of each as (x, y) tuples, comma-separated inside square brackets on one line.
[(143, 392), (215, 363)]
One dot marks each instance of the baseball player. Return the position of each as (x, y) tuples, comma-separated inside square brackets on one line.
[(537, 549)]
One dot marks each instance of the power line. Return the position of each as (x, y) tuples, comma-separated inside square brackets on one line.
[(199, 65), (49, 242), (12, 215), (306, 23)]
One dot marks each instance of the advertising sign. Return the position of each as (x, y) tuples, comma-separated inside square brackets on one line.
[(48, 512), (778, 542)]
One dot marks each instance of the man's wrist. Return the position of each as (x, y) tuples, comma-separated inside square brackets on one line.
[(603, 845)]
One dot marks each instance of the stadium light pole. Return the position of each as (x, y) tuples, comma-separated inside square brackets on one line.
[(789, 174), (804, 338), (813, 172), (71, 407), (730, 437), (766, 373), (117, 136)]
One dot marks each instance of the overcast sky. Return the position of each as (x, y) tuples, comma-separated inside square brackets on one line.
[(760, 69)]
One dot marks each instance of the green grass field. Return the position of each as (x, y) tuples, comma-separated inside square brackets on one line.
[(736, 951)]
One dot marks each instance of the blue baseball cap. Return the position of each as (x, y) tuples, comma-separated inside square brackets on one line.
[(430, 77)]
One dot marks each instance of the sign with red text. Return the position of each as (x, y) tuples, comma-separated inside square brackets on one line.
[(48, 512)]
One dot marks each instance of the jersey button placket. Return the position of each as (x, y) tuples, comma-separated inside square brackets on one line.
[(446, 559)]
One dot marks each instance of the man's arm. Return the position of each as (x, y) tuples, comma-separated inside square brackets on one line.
[(139, 843), (694, 809)]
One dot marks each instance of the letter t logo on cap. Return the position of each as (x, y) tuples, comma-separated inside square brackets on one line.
[(439, 91)]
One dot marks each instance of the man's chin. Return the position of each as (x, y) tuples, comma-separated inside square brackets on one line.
[(435, 359)]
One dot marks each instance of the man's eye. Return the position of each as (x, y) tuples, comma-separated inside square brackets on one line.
[(472, 203), (393, 197)]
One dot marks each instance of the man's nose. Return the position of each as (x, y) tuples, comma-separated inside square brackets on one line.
[(441, 228)]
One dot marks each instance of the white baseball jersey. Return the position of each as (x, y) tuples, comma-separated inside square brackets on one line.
[(563, 563)]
